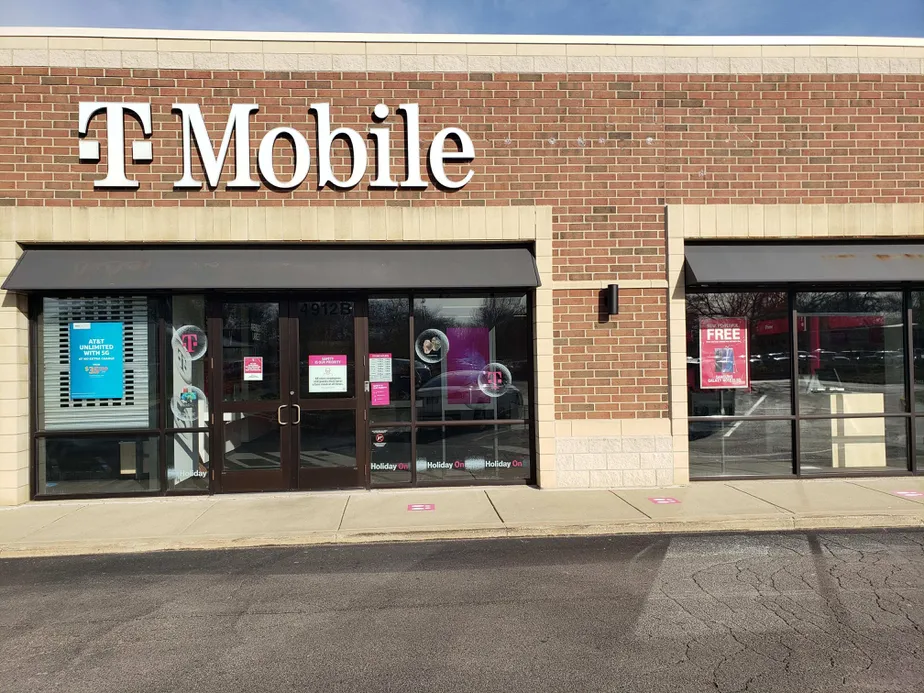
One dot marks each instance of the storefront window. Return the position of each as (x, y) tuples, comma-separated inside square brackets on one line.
[(390, 459), (853, 444), (188, 461), (468, 453), (917, 341), (102, 463), (851, 352), (391, 371), (739, 366), (103, 427), (740, 448), (131, 390), (187, 364), (97, 388), (96, 364), (848, 384), (476, 352), (742, 339)]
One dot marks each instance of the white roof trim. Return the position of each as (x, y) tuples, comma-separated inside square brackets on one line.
[(83, 32)]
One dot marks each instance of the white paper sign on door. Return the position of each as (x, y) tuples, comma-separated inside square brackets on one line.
[(379, 368), (327, 373)]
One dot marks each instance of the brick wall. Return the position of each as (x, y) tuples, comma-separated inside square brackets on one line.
[(611, 367), (605, 151)]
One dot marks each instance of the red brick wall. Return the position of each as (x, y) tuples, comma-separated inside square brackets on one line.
[(611, 367), (606, 152)]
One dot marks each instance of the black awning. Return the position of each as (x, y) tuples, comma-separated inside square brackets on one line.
[(297, 267), (780, 263)]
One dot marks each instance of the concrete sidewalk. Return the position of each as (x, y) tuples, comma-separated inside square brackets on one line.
[(209, 522)]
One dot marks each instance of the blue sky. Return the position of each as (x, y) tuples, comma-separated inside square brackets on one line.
[(612, 17)]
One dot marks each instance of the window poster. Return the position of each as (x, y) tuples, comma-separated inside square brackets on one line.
[(97, 361), (723, 353), (253, 368), (327, 373), (380, 394)]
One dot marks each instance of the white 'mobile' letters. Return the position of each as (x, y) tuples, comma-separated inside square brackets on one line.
[(194, 127), (238, 125)]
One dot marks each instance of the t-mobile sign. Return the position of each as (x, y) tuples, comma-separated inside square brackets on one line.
[(723, 353)]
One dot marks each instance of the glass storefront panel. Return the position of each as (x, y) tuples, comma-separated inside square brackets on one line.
[(757, 357), (188, 461), (326, 349), (390, 460), (740, 448), (472, 453), (919, 444), (187, 370), (476, 354), (97, 362), (250, 338), (855, 444), (917, 341), (104, 464), (391, 370), (327, 439), (851, 352), (251, 441)]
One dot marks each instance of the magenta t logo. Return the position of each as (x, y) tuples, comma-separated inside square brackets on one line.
[(190, 341), (495, 379)]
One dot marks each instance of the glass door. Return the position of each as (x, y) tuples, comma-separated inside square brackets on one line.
[(328, 395), (253, 364)]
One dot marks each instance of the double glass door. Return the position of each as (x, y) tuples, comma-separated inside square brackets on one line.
[(292, 403)]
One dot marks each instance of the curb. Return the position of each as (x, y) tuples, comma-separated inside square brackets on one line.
[(765, 523)]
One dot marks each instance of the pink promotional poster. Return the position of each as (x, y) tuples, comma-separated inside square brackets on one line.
[(380, 394), (723, 353), (469, 352), (253, 368)]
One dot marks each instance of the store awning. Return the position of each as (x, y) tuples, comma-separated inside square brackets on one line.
[(780, 263), (199, 269)]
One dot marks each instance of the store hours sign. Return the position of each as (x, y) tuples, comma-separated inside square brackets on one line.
[(451, 144), (97, 363)]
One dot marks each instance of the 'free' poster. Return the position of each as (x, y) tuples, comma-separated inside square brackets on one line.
[(723, 353)]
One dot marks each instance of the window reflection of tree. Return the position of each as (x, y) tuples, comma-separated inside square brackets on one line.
[(249, 323), (868, 353), (847, 302), (736, 305), (769, 351)]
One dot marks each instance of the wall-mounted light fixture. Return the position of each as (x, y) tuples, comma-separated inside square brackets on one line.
[(612, 299)]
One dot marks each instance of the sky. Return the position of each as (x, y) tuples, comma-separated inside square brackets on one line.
[(899, 18)]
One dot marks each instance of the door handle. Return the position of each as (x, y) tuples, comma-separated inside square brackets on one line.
[(279, 415), (298, 415)]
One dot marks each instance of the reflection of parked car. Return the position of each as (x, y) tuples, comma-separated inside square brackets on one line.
[(401, 380), (460, 392)]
